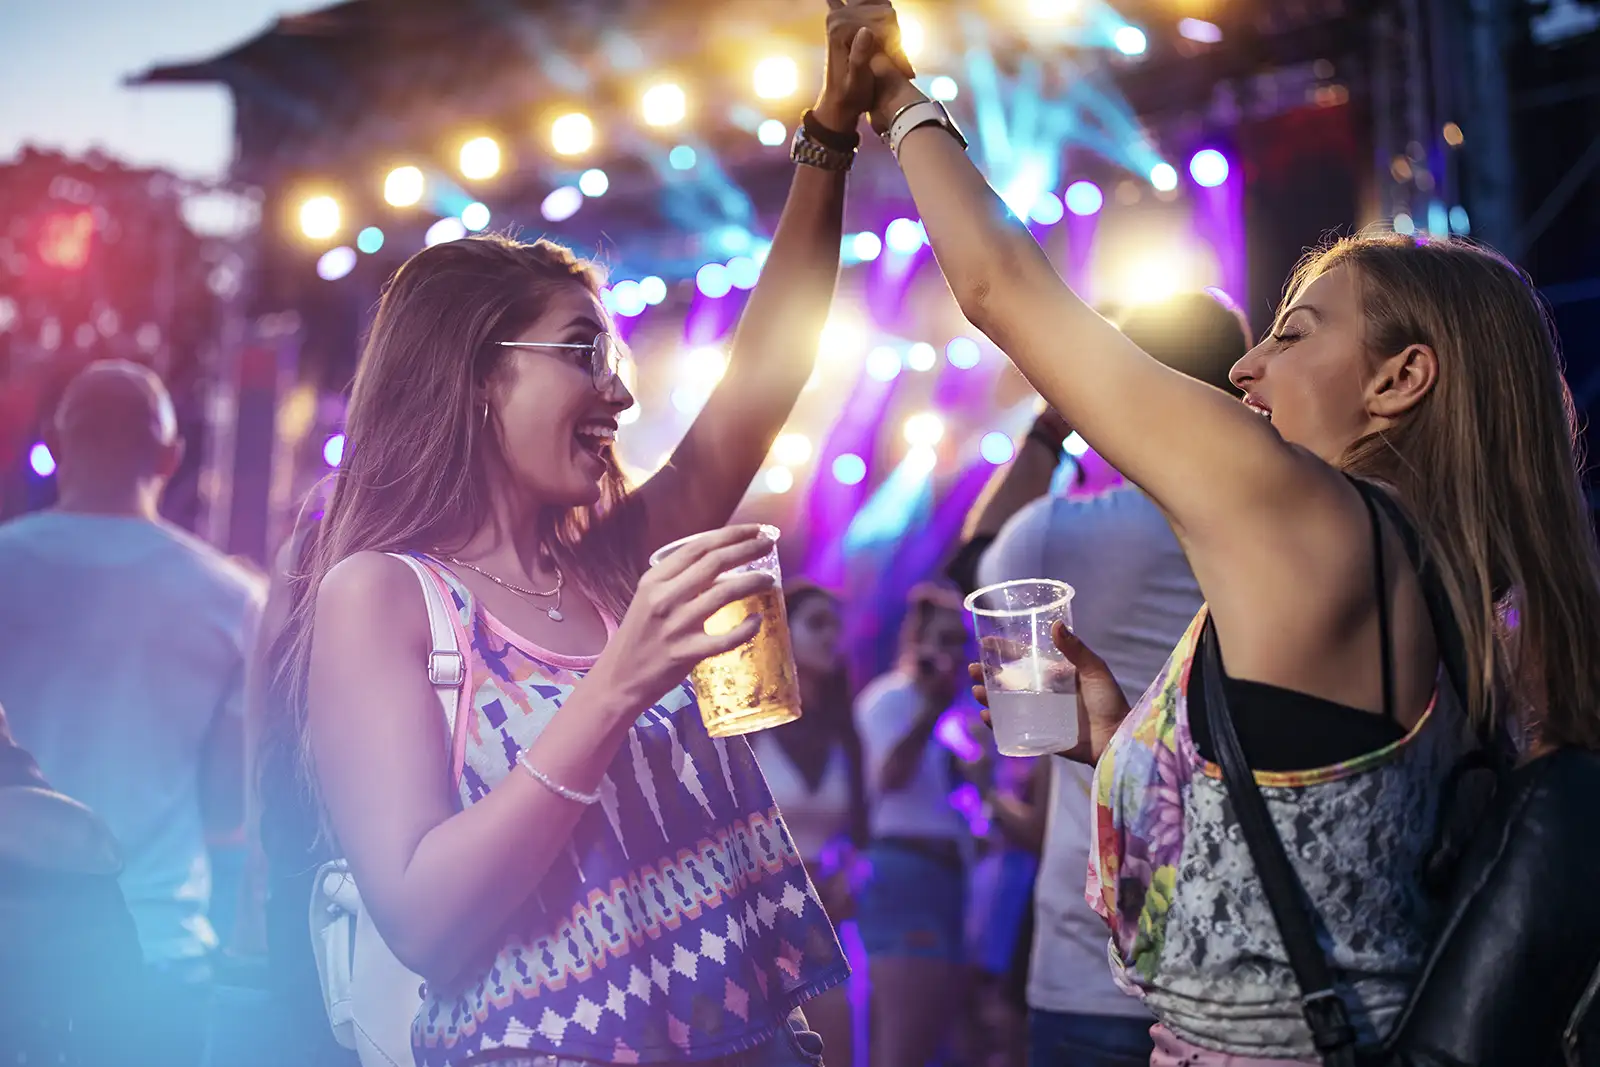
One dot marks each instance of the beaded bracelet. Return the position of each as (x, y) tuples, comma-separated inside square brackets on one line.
[(587, 799)]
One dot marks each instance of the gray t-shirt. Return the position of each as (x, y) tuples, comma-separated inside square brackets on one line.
[(121, 641), (1134, 597)]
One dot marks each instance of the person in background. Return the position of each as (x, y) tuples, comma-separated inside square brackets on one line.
[(123, 673), (813, 767), (1134, 598), (911, 907)]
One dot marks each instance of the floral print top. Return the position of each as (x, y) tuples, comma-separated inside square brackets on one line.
[(1191, 931)]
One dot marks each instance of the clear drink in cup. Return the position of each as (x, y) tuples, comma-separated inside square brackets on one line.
[(1032, 686), (754, 686)]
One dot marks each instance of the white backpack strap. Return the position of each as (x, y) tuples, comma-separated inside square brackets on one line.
[(447, 667)]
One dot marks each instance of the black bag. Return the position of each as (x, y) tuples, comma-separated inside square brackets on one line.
[(1513, 973)]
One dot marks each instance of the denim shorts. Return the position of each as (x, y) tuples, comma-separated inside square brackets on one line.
[(796, 1045), (911, 904)]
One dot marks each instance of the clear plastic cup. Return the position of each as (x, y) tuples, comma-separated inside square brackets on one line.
[(1032, 686), (752, 687)]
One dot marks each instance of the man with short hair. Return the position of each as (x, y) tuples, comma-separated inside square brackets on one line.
[(1134, 597), (122, 669)]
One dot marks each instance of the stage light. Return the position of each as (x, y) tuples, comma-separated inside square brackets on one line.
[(319, 217), (652, 289), (664, 104), (883, 364), (1453, 135), (791, 449), (996, 447), (475, 216), (704, 367), (779, 480), (1047, 210), (903, 236), (732, 240), (841, 338), (628, 299), (772, 133), (681, 158), (920, 461), (593, 182), (1052, 9), (688, 400), (333, 450), (1130, 41), (572, 134), (776, 78), (1208, 168), (963, 353), (335, 263), (1074, 445), (921, 356), (912, 37), (1084, 198), (1459, 223), (1200, 31), (866, 246), (1403, 224), (1157, 276), (404, 186), (849, 469), (43, 463), (480, 158), (924, 430), (944, 88), (562, 203), (448, 228), (743, 272), (713, 280), (369, 240), (1164, 176)]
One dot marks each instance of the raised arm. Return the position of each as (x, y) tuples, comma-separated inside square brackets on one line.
[(1208, 460), (775, 345)]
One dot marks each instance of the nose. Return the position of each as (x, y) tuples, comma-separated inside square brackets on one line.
[(617, 394), (1248, 370)]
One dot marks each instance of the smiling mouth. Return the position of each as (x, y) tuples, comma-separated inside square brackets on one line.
[(1258, 407), (595, 435)]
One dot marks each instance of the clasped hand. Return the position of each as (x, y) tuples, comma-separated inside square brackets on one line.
[(867, 69)]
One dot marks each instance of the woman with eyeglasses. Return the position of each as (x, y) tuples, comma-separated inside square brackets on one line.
[(581, 873)]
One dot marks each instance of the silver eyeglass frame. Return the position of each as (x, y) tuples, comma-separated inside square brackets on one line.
[(601, 373)]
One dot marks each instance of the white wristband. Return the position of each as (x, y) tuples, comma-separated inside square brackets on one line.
[(915, 116)]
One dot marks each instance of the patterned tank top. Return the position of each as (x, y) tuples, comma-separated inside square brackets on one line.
[(1191, 931), (678, 925)]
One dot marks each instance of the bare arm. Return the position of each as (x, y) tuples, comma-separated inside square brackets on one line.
[(1024, 819), (1025, 479), (900, 767)]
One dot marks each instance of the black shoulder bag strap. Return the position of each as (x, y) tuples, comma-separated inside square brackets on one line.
[(1325, 1013)]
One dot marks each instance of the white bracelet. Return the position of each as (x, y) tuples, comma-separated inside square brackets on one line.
[(586, 799)]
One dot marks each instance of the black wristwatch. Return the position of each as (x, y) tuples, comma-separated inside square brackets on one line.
[(838, 140)]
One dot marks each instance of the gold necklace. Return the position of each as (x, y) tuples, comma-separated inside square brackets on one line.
[(554, 611)]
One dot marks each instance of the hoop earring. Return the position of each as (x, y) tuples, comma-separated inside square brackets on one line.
[(483, 423)]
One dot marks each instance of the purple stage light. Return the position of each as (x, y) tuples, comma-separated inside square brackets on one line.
[(1208, 168), (44, 464)]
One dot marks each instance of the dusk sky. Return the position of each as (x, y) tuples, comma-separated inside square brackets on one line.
[(63, 62)]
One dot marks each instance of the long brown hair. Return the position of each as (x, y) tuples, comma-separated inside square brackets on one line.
[(1489, 464), (418, 444)]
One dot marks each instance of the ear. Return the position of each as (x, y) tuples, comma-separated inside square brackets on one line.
[(169, 459), (1402, 381)]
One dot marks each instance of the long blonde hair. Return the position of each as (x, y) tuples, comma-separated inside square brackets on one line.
[(418, 445), (1489, 465)]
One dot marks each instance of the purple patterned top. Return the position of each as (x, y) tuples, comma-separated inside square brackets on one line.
[(681, 924)]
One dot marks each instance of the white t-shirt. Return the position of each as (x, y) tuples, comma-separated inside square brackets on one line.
[(120, 641), (1134, 597), (885, 712), (814, 816)]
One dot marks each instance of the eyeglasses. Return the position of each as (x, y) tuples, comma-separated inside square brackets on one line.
[(604, 355)]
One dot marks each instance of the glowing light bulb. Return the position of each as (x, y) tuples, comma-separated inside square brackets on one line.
[(921, 356), (779, 480), (664, 104), (593, 182), (791, 449), (776, 78), (772, 133), (475, 216), (849, 469), (924, 430), (1208, 168), (1164, 176), (480, 158), (572, 134), (1130, 41), (319, 217), (404, 186)]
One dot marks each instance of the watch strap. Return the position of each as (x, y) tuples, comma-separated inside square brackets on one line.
[(838, 140), (807, 151)]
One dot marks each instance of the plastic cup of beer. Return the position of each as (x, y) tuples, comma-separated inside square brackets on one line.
[(754, 686), (1032, 686)]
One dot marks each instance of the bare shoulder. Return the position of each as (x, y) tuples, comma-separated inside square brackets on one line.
[(371, 594)]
